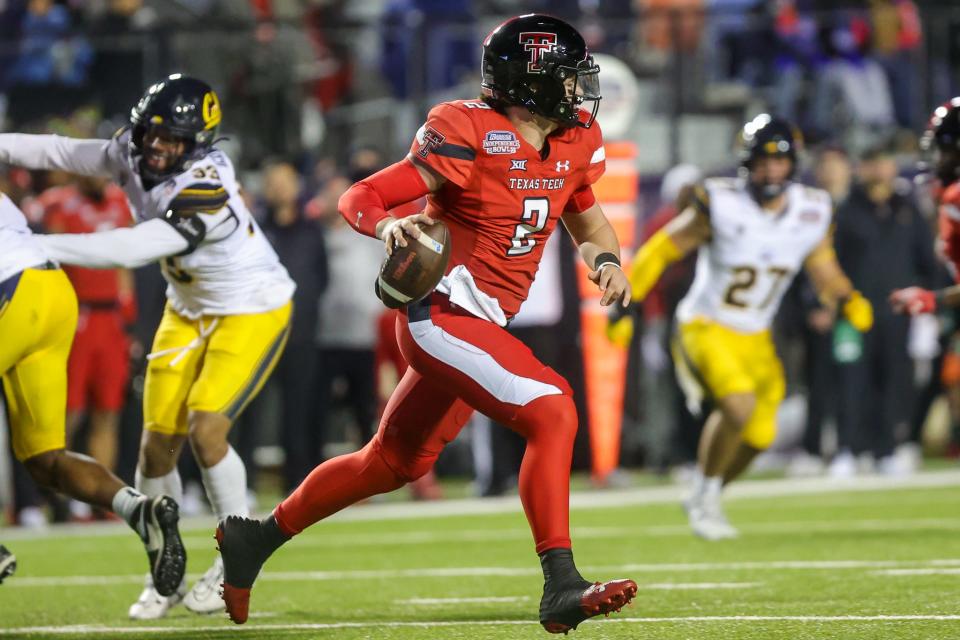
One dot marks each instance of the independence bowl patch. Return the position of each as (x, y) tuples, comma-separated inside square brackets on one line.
[(498, 142)]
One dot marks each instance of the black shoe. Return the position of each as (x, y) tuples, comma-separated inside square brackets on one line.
[(8, 563), (563, 609), (157, 522), (244, 544)]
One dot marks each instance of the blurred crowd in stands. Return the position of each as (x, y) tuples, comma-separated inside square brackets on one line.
[(318, 94), (327, 74)]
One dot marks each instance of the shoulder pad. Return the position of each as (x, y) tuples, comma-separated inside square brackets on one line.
[(457, 114), (448, 131), (730, 184), (816, 195), (468, 105), (199, 197), (217, 157)]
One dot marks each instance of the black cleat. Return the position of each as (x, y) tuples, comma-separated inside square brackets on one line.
[(8, 563), (157, 521), (244, 544), (562, 610)]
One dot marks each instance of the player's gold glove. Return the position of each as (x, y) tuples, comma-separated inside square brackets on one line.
[(859, 312)]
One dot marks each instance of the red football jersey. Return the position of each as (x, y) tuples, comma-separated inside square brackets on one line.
[(67, 210), (949, 222), (502, 200)]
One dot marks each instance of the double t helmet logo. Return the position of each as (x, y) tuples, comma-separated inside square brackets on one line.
[(537, 43)]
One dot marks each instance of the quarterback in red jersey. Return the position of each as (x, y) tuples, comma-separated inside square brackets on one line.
[(500, 171), (942, 141), (98, 368)]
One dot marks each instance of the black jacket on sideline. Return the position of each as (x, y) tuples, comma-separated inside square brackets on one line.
[(302, 251), (886, 246)]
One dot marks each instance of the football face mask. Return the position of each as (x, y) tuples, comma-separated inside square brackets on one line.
[(579, 84)]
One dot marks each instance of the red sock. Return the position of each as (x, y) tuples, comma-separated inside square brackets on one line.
[(334, 485), (550, 425)]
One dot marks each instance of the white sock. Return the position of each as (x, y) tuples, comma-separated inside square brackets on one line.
[(125, 503), (697, 487), (168, 485), (226, 486), (712, 487)]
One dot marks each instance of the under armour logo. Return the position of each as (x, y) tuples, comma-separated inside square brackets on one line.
[(518, 165), (359, 215), (563, 165)]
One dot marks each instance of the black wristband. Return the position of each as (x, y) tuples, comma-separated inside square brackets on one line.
[(606, 258)]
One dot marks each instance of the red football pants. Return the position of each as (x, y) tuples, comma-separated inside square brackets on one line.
[(98, 369), (458, 363)]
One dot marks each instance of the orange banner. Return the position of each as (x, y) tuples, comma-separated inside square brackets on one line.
[(604, 363)]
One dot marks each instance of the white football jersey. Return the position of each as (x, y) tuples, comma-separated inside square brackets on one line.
[(18, 248), (753, 255), (234, 270)]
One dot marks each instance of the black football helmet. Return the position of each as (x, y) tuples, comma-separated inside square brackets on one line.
[(528, 61), (186, 108), (941, 141), (768, 136)]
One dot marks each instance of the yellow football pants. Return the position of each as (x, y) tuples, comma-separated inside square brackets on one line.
[(722, 362), (216, 364), (37, 324)]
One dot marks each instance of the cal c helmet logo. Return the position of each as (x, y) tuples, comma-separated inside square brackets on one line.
[(537, 43), (211, 110)]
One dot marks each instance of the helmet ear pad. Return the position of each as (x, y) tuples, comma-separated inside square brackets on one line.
[(542, 94)]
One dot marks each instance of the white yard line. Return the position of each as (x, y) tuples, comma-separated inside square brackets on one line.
[(580, 500), (659, 495), (403, 538), (776, 565), (694, 586), (460, 572), (657, 586), (205, 542), (445, 601), (261, 628), (918, 572)]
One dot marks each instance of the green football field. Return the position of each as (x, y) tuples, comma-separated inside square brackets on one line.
[(867, 560)]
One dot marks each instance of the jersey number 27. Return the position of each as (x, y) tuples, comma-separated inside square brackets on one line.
[(744, 279)]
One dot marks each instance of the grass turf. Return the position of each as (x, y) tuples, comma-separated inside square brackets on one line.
[(879, 564)]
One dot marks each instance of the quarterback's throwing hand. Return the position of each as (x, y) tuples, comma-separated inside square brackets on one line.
[(394, 232), (612, 281), (913, 301)]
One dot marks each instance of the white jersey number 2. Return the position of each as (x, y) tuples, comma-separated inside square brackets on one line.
[(536, 212)]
